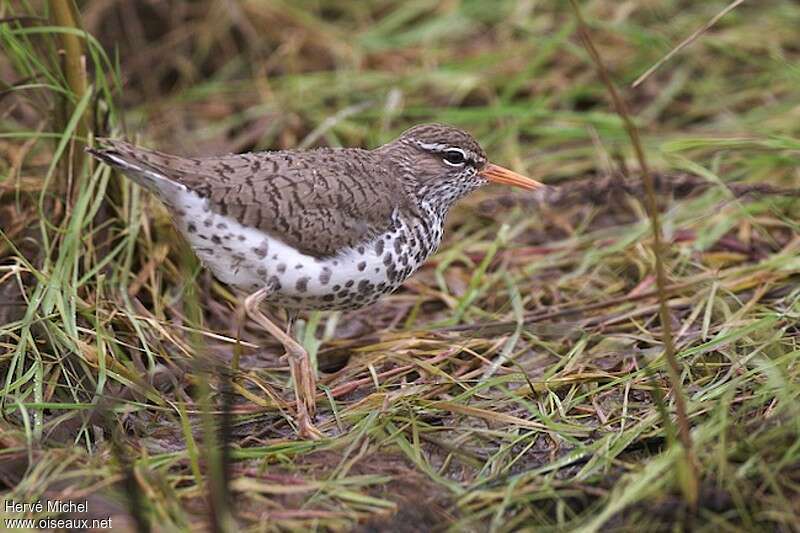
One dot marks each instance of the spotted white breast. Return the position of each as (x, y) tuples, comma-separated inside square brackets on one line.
[(249, 259)]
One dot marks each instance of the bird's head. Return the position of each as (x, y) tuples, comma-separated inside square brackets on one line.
[(444, 163)]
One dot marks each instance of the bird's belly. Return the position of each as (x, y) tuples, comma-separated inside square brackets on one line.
[(250, 259)]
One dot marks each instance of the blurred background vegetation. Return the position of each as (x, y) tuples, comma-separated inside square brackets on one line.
[(518, 379)]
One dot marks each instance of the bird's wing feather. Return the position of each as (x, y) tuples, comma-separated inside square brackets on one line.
[(316, 201)]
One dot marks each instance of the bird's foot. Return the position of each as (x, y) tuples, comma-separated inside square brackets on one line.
[(306, 428), (305, 389)]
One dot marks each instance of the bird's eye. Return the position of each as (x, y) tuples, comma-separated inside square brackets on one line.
[(454, 157)]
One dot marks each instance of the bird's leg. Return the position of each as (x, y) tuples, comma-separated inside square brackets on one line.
[(291, 317), (302, 368), (302, 376)]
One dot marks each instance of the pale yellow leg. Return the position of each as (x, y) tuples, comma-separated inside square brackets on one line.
[(304, 379)]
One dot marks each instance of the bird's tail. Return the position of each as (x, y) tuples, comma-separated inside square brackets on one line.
[(148, 168)]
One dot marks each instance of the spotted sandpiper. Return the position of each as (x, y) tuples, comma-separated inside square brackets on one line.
[(331, 228)]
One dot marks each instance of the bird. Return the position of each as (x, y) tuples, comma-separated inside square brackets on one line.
[(317, 229)]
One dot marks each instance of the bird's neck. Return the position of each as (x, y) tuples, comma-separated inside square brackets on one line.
[(439, 196)]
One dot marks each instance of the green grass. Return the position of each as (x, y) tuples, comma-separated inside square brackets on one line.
[(518, 381)]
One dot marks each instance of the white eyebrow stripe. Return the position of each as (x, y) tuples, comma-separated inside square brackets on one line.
[(433, 147)]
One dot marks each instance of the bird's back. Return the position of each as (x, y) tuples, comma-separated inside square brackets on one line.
[(317, 200)]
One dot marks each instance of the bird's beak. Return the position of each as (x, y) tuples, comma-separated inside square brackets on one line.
[(498, 174)]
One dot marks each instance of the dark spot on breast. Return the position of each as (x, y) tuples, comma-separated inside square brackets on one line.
[(379, 247), (362, 265), (325, 275), (281, 268), (302, 284), (361, 250), (387, 259), (222, 225), (398, 246), (349, 283), (181, 213), (336, 287), (261, 251), (240, 237), (363, 286), (274, 283), (215, 239), (261, 271), (191, 228), (391, 273), (328, 297), (207, 222), (298, 266)]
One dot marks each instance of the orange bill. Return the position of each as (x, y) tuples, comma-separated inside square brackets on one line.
[(498, 174)]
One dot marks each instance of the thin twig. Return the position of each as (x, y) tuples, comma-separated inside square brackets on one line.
[(74, 67), (691, 489)]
